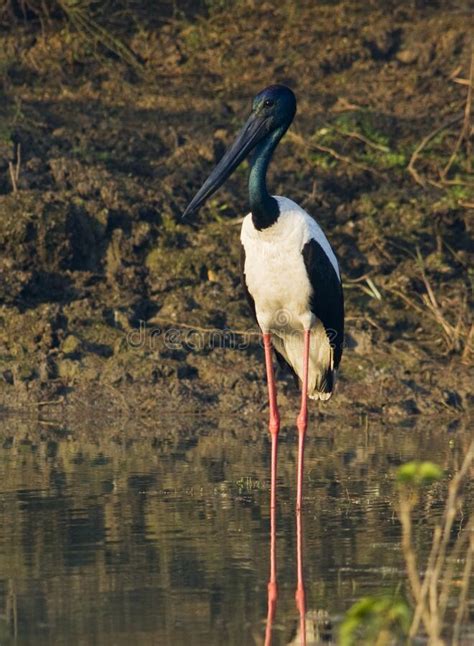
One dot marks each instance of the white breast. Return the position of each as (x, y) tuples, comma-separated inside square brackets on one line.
[(275, 273)]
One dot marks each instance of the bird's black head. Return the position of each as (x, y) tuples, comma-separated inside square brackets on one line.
[(273, 110), (276, 103)]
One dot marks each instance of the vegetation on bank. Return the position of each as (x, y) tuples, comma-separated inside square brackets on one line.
[(447, 572)]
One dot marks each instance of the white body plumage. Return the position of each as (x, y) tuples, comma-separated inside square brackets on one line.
[(277, 279)]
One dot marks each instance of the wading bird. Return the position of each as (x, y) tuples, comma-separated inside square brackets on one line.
[(290, 274)]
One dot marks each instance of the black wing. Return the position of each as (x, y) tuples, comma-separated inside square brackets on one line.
[(281, 360), (327, 301)]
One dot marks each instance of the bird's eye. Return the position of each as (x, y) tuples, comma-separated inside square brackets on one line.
[(268, 103)]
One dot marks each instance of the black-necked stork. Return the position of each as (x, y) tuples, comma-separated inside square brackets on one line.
[(290, 274)]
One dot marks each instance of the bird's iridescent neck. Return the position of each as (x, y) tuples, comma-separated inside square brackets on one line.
[(263, 206)]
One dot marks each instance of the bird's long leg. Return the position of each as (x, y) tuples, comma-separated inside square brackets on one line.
[(300, 593), (274, 421), (302, 421), (274, 428)]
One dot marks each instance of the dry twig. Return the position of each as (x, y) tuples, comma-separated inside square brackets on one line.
[(15, 170), (463, 597), (360, 137), (431, 594), (298, 139), (422, 145), (466, 129), (455, 335)]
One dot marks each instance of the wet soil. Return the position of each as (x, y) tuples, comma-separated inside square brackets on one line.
[(109, 301)]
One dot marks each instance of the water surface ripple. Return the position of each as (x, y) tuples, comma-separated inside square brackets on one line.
[(160, 535)]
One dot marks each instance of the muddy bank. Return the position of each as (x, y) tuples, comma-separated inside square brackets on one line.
[(108, 299)]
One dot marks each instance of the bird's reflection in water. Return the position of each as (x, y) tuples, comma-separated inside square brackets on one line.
[(272, 584), (300, 594), (317, 630), (314, 626)]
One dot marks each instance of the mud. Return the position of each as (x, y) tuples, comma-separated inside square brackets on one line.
[(108, 301)]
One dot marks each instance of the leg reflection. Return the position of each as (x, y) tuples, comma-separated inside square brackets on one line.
[(272, 584), (300, 593), (272, 601)]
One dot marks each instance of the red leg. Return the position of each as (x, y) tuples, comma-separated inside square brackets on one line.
[(274, 423), (300, 593), (302, 421), (274, 427), (272, 584)]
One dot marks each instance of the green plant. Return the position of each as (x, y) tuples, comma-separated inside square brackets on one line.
[(419, 474), (431, 592), (376, 621)]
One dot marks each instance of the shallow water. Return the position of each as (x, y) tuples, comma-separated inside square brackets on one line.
[(158, 533)]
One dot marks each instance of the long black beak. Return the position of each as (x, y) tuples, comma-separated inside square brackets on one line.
[(253, 131)]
